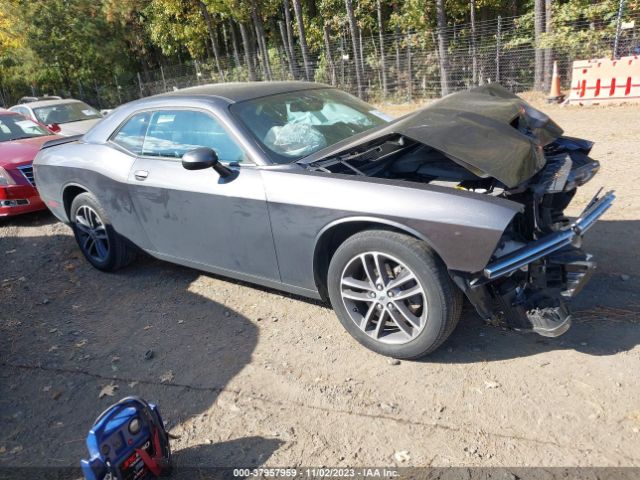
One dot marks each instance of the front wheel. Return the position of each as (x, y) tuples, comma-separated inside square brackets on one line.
[(101, 245), (393, 294)]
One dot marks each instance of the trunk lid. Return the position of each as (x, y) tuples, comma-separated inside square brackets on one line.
[(77, 128)]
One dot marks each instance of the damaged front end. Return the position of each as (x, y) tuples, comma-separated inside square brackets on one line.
[(530, 286), (491, 142), (539, 264)]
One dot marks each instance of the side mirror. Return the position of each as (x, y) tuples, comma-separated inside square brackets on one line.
[(204, 157), (54, 127)]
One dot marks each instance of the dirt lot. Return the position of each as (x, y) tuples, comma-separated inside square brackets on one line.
[(248, 376)]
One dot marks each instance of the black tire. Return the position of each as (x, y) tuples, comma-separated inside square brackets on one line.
[(443, 298), (118, 254)]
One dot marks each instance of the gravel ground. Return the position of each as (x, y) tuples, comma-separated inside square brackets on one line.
[(248, 376)]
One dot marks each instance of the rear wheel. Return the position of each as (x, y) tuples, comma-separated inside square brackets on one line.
[(101, 245), (393, 294)]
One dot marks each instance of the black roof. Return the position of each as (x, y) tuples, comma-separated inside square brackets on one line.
[(241, 91)]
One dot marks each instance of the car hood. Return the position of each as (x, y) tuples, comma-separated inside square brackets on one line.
[(488, 130), (77, 128), (18, 152)]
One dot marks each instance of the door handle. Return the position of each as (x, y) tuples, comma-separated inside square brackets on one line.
[(141, 174)]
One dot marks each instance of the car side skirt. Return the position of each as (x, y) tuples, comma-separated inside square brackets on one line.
[(235, 275)]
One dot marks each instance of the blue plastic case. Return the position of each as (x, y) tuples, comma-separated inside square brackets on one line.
[(118, 435)]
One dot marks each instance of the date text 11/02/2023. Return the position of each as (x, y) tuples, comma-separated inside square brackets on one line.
[(373, 472)]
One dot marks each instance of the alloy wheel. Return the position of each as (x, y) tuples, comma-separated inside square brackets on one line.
[(383, 297), (92, 234)]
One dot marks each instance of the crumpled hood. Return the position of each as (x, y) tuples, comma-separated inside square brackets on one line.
[(488, 130)]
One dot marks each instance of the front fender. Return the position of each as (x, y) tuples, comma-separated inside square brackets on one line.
[(462, 227), (368, 220)]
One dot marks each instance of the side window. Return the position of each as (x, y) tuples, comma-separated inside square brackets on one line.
[(131, 134), (172, 133)]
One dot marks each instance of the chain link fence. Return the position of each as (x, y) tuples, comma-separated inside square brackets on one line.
[(402, 67)]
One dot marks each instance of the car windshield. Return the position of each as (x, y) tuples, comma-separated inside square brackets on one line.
[(292, 125), (15, 127), (66, 113)]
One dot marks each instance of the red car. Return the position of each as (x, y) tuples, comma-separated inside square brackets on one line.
[(20, 140)]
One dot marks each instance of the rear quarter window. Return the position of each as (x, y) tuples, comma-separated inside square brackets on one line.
[(131, 135)]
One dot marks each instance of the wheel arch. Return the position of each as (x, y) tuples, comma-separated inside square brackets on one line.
[(335, 233), (69, 193)]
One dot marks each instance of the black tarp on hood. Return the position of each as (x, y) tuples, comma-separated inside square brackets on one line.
[(487, 129)]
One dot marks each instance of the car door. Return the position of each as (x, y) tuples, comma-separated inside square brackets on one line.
[(197, 217)]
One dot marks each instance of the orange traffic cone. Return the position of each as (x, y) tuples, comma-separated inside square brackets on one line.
[(555, 95)]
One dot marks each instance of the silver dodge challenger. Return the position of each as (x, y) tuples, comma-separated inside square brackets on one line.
[(304, 188)]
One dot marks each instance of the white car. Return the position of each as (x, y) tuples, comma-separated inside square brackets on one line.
[(65, 117)]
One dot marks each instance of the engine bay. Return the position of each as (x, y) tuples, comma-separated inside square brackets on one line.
[(544, 196)]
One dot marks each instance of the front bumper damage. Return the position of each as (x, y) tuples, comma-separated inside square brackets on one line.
[(529, 288), (550, 243)]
